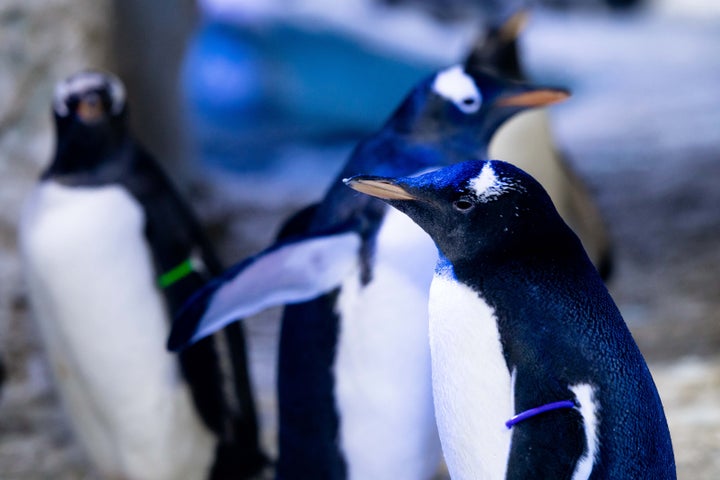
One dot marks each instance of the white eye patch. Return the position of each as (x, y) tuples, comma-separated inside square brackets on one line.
[(487, 185), (458, 87), (83, 82)]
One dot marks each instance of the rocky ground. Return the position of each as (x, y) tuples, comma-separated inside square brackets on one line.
[(642, 128)]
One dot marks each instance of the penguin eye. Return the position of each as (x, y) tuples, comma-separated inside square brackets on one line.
[(463, 204), (468, 105)]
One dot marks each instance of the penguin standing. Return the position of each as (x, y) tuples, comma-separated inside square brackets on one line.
[(535, 374), (354, 386), (109, 251)]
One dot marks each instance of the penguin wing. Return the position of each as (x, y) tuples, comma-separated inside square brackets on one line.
[(173, 228), (290, 272)]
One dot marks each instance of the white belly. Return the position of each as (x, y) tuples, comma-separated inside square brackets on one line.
[(472, 386), (92, 288), (382, 369)]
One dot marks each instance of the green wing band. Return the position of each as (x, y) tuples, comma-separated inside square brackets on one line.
[(176, 274)]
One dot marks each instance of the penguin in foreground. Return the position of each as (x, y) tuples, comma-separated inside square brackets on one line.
[(110, 251), (535, 374), (526, 141), (354, 385)]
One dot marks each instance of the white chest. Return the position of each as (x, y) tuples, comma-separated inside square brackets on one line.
[(472, 386), (92, 288), (383, 382)]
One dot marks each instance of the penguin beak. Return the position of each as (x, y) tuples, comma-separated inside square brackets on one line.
[(90, 109), (378, 187), (534, 98)]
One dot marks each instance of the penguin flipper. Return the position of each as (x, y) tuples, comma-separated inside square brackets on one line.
[(290, 272)]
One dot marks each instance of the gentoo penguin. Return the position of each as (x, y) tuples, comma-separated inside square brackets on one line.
[(535, 374), (354, 387), (526, 140), (109, 251)]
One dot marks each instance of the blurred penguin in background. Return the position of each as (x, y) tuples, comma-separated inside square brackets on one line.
[(109, 252)]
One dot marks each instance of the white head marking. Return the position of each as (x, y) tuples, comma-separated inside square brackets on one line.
[(487, 185), (458, 87), (87, 81)]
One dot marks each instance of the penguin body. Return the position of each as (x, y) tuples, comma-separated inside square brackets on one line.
[(522, 324), (109, 252), (354, 377), (381, 354), (89, 273)]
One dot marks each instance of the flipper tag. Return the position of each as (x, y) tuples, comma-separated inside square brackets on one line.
[(522, 416), (191, 264), (176, 274)]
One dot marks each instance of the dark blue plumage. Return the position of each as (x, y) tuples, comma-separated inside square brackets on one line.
[(560, 332)]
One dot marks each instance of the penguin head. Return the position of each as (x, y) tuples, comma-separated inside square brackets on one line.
[(475, 209), (90, 121), (497, 50), (463, 106), (89, 97)]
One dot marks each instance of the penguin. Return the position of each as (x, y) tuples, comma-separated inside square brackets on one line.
[(354, 386), (526, 140), (110, 251), (534, 372)]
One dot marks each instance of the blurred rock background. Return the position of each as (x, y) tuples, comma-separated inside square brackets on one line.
[(250, 121)]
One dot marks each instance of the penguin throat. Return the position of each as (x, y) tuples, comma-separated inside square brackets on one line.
[(88, 163)]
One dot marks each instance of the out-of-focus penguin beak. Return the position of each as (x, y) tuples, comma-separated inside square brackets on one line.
[(90, 109), (534, 98), (378, 187)]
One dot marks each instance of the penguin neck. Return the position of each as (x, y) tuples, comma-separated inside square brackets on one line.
[(456, 145), (88, 154), (536, 245)]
